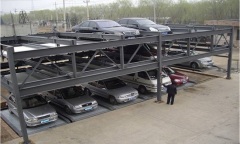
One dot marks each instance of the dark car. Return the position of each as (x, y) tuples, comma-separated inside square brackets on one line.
[(144, 25), (177, 78), (106, 27)]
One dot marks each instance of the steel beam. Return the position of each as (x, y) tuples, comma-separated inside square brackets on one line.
[(88, 76), (159, 60), (230, 55), (16, 93), (181, 59), (83, 47), (192, 35)]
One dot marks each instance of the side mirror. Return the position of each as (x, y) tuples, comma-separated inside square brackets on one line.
[(96, 28)]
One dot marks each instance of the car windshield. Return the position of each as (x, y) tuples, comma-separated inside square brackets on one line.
[(33, 101), (108, 24), (169, 71), (145, 22), (152, 74), (114, 84), (72, 92)]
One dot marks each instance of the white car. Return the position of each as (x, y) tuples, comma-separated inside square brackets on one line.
[(146, 81)]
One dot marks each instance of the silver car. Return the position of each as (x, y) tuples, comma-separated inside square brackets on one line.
[(114, 89), (36, 110), (72, 100)]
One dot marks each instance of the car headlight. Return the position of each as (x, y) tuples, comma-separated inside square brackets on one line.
[(137, 32), (32, 119), (122, 96), (177, 80), (78, 106), (152, 29), (118, 33), (94, 102), (153, 85), (168, 28), (53, 114)]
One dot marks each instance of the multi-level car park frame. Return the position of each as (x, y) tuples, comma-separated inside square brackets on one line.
[(72, 46)]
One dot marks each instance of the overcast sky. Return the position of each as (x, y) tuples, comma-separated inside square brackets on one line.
[(28, 5)]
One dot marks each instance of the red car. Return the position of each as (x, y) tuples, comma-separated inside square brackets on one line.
[(177, 78)]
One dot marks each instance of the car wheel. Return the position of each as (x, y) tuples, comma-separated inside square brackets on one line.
[(142, 89), (194, 65), (87, 92), (67, 110), (112, 100)]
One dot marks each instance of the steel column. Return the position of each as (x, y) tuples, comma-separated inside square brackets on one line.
[(74, 65), (122, 57), (188, 47), (16, 93), (230, 55), (212, 43), (159, 59)]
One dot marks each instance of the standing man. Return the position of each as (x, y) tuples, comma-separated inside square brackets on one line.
[(172, 91)]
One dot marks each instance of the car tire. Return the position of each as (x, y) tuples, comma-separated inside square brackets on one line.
[(194, 65), (67, 110), (142, 89), (112, 100), (87, 92)]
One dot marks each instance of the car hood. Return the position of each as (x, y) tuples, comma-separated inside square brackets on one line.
[(166, 80), (122, 91), (79, 100), (37, 111), (159, 27), (206, 59), (119, 29), (178, 75)]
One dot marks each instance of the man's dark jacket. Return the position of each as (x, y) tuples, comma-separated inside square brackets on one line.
[(172, 90)]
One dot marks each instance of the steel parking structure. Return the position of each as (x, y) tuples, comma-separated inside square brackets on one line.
[(69, 45)]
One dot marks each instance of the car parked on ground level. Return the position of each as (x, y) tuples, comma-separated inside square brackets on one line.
[(72, 100), (113, 89), (205, 62), (144, 25), (105, 27), (36, 110), (177, 78), (146, 81)]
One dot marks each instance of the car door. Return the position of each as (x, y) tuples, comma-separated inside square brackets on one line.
[(102, 89), (133, 24), (129, 79), (57, 98), (142, 78), (93, 27), (123, 22), (84, 27)]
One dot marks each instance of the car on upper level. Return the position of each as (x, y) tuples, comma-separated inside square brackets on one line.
[(105, 27), (36, 110), (205, 62), (146, 81), (113, 89), (72, 99), (176, 77), (144, 24)]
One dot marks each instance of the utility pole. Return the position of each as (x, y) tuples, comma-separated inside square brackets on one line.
[(154, 10), (87, 1), (64, 16), (56, 14)]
